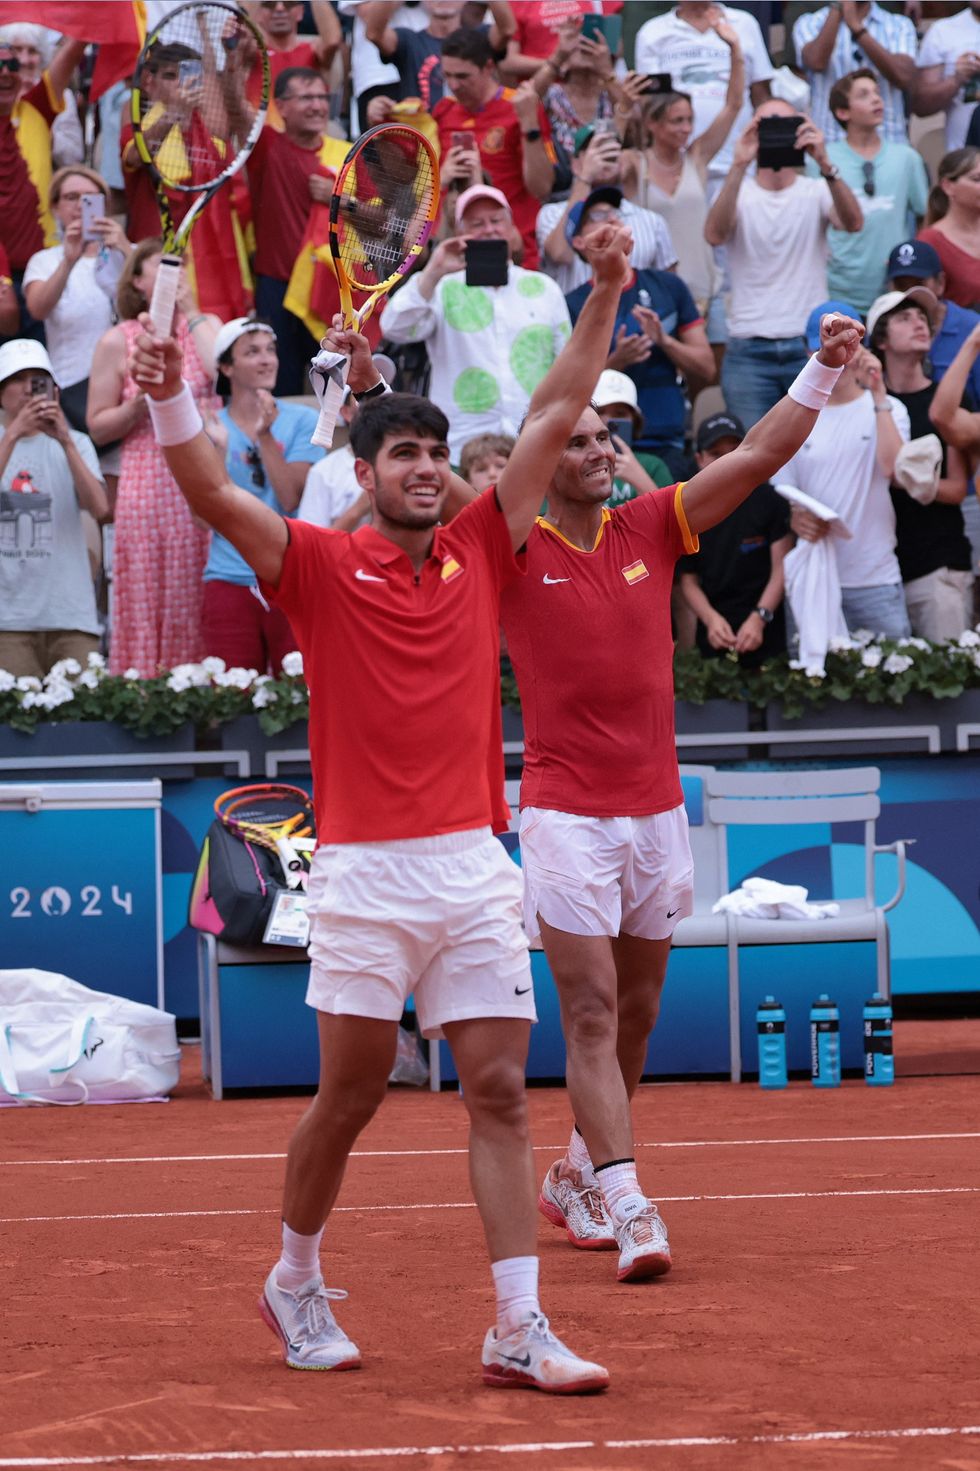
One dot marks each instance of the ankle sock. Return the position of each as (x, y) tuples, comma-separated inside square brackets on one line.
[(621, 1193), (300, 1260), (515, 1281), (577, 1153)]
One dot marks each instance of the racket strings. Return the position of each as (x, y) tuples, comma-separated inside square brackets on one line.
[(385, 202)]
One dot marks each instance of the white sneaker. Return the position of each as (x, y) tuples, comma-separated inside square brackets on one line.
[(533, 1358), (644, 1250), (573, 1202), (311, 1337)]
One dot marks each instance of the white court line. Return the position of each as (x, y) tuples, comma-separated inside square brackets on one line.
[(677, 1442), (176, 1159), (462, 1205)]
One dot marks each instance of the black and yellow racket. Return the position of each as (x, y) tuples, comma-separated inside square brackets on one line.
[(192, 123)]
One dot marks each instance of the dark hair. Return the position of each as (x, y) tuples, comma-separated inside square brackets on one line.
[(130, 300), (394, 413), (840, 92), (880, 333), (469, 44), (257, 322), (170, 54), (294, 74), (952, 167)]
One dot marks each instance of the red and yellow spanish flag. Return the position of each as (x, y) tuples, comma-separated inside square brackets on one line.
[(117, 27), (313, 294)]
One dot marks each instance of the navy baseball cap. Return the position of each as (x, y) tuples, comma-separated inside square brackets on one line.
[(812, 332), (718, 426), (605, 194), (914, 258)]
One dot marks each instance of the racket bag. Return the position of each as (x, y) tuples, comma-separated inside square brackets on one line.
[(63, 1043), (234, 888)]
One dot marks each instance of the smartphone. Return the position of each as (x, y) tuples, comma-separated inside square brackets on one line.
[(467, 141), (658, 83), (777, 143), (190, 74), (608, 26), (93, 208), (621, 429), (42, 387), (486, 262), (604, 127)]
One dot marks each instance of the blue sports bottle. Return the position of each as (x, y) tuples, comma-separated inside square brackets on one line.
[(879, 1059), (825, 1043), (770, 1021)]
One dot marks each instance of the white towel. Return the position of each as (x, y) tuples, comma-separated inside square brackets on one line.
[(813, 586), (760, 898), (328, 376)]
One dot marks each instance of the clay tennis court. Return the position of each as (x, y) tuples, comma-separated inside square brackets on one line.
[(822, 1310)]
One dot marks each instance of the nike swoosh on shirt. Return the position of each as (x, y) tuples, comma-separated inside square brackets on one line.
[(363, 576), (548, 579), (521, 990)]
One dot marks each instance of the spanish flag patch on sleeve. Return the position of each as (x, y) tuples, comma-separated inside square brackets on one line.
[(450, 569)]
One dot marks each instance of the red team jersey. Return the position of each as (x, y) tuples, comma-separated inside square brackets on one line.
[(590, 639), (404, 675)]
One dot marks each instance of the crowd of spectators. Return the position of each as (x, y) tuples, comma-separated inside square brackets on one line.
[(757, 195)]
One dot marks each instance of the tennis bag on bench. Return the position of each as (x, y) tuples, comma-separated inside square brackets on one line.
[(238, 879)]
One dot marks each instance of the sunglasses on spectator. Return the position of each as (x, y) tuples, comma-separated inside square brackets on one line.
[(254, 461), (9, 64), (868, 169)]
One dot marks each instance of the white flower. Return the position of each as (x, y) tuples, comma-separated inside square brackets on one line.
[(28, 682), (7, 681), (213, 665), (969, 640), (863, 636), (293, 663), (62, 669), (95, 661), (840, 645), (30, 700), (131, 674), (238, 678), (178, 681), (897, 663), (296, 697), (871, 657), (89, 680), (189, 676), (263, 696)]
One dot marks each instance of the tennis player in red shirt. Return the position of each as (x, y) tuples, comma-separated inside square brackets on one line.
[(603, 832), (398, 627)]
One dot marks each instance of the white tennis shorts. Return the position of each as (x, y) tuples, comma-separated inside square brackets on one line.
[(606, 875), (440, 917)]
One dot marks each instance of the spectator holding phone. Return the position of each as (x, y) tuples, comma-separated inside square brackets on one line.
[(615, 401), (888, 179), (658, 341), (775, 226), (418, 53), (734, 582), (49, 474), (599, 162), (687, 45), (489, 344), (952, 225), (71, 287), (836, 40), (538, 29), (577, 84), (948, 75), (511, 129)]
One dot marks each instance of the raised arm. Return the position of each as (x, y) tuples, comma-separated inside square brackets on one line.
[(714, 492), (557, 402), (720, 223), (255, 530), (956, 424), (62, 64), (712, 139), (377, 16)]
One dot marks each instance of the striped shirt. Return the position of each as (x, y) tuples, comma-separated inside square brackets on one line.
[(653, 249), (895, 33)]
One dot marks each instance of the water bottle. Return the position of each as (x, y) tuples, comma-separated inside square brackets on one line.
[(879, 1060), (770, 1021), (825, 1043)]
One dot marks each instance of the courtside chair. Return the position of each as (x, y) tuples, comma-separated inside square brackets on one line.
[(734, 799)]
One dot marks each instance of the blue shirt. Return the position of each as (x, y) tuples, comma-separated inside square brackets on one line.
[(958, 323), (661, 398), (291, 428)]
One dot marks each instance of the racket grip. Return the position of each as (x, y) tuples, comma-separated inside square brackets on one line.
[(165, 295)]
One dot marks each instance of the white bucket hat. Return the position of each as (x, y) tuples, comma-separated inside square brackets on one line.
[(20, 354)]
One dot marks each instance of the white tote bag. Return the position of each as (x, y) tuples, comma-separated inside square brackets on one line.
[(62, 1043)]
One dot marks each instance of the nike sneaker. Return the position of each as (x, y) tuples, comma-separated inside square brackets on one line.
[(533, 1358), (644, 1250), (571, 1199), (303, 1322)]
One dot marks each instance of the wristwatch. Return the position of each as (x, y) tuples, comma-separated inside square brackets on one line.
[(765, 614), (375, 391), (532, 135), (832, 173)]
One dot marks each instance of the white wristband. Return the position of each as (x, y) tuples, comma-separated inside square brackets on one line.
[(814, 384), (175, 420)]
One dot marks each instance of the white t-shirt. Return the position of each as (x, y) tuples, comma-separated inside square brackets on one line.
[(331, 488), (837, 464), (81, 314), (943, 42), (777, 257), (366, 67), (700, 64), (653, 248), (45, 580)]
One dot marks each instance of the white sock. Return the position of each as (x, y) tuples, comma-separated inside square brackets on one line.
[(300, 1260), (515, 1280), (577, 1153), (621, 1193)]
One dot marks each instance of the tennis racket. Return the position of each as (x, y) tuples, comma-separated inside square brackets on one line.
[(382, 210), (192, 124), (277, 817)]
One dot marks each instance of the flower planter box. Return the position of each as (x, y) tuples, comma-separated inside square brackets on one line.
[(855, 714), (73, 744), (245, 734), (714, 717)]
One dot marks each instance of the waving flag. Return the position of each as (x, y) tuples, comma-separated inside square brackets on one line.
[(117, 27)]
